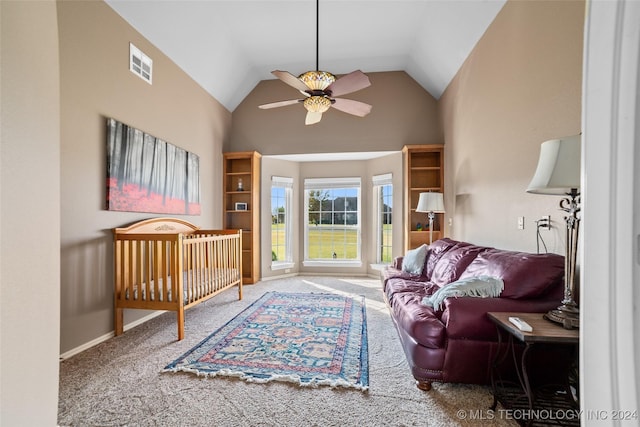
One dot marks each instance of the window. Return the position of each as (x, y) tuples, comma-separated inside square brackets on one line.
[(383, 206), (332, 218), (281, 229)]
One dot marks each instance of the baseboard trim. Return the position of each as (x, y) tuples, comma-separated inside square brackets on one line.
[(103, 338), (280, 276)]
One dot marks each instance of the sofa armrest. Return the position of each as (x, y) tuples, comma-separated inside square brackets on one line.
[(466, 317), (397, 262)]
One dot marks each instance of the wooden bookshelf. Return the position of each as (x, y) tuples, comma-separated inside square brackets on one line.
[(424, 172), (241, 205)]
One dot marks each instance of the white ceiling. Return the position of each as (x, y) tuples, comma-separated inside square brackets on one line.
[(229, 46)]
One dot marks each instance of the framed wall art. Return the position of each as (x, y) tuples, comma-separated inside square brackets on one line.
[(147, 174)]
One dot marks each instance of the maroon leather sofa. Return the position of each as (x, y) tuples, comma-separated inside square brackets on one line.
[(458, 343)]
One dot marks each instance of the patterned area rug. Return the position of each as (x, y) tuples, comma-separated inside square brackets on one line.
[(307, 338)]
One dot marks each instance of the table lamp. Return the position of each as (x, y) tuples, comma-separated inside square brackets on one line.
[(432, 203), (558, 173)]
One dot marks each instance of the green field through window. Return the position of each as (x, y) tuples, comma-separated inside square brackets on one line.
[(323, 242)]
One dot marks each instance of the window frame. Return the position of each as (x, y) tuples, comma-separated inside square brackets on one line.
[(379, 183), (333, 184), (287, 184)]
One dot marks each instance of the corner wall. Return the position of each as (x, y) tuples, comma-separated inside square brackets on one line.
[(95, 84), (520, 86), (29, 213)]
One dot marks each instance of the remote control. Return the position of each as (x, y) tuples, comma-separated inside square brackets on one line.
[(521, 324)]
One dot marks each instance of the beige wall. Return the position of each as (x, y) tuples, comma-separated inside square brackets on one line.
[(29, 214), (403, 113), (96, 83), (520, 86)]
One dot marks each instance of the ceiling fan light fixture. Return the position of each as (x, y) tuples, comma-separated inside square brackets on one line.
[(320, 88), (317, 104), (317, 80)]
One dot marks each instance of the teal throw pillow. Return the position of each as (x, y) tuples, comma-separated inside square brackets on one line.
[(413, 261)]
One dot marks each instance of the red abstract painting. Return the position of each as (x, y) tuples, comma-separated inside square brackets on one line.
[(147, 174)]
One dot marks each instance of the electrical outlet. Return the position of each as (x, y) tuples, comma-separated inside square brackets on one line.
[(545, 222), (520, 223)]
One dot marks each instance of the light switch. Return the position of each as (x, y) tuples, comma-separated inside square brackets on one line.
[(520, 223)]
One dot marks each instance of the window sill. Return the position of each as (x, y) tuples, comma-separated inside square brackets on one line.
[(379, 267), (336, 264), (281, 265)]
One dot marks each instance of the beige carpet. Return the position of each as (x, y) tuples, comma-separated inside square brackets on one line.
[(120, 382)]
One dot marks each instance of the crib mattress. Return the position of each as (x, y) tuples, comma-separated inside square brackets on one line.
[(200, 289)]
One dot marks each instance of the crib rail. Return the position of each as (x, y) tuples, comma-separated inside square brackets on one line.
[(213, 262)]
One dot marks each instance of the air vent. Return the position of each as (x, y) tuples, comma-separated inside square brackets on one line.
[(140, 64)]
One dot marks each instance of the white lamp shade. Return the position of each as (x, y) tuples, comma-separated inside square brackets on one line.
[(558, 168), (430, 202)]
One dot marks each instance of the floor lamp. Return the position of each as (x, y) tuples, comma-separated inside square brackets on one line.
[(432, 203), (558, 173)]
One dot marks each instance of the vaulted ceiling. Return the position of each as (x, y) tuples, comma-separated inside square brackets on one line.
[(229, 46)]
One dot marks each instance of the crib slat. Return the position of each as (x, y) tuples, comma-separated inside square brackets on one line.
[(175, 269), (134, 261), (190, 271), (217, 261), (206, 272), (166, 275), (226, 267), (210, 267), (198, 277)]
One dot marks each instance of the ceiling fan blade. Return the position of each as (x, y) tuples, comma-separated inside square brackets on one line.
[(351, 82), (279, 104), (312, 118), (350, 106), (290, 79)]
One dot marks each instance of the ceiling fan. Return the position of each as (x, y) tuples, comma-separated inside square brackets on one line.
[(321, 87)]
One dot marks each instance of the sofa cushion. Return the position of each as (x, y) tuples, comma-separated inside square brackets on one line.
[(453, 262), (436, 250), (408, 284), (413, 261), (524, 275), (394, 273)]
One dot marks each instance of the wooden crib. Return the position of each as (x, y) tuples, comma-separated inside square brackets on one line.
[(170, 264)]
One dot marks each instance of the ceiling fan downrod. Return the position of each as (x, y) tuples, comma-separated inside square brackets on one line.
[(317, 34)]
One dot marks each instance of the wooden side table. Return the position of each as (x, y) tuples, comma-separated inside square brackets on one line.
[(544, 333)]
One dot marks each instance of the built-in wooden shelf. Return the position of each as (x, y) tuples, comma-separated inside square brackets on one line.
[(241, 184), (424, 172)]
